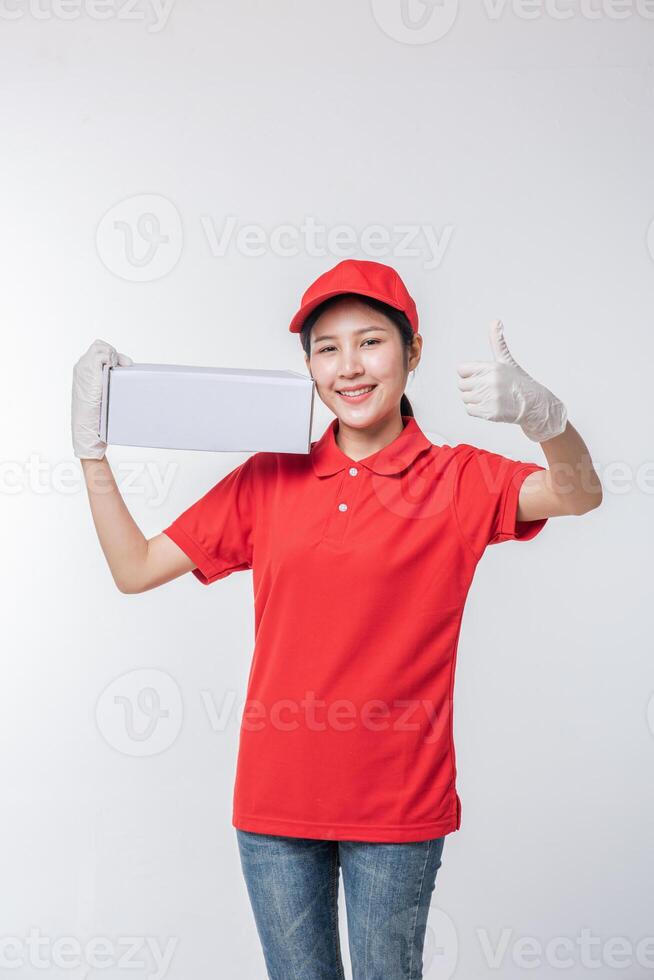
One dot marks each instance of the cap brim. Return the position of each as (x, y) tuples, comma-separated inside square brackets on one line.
[(298, 320)]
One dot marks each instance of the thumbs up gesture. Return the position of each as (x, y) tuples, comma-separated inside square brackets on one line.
[(501, 391)]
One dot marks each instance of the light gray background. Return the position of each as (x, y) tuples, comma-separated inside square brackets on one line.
[(528, 143)]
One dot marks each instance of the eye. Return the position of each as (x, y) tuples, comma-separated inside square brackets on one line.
[(370, 340)]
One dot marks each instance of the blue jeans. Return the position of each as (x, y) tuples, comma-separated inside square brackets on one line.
[(293, 885)]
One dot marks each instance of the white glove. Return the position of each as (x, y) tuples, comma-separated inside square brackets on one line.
[(501, 391), (87, 398)]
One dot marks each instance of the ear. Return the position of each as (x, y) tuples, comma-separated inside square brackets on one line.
[(416, 352)]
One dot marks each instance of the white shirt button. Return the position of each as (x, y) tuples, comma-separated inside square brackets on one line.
[(342, 506), (353, 471)]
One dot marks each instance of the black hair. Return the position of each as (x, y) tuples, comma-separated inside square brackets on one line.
[(398, 317)]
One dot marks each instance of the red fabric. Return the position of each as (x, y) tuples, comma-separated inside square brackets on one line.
[(357, 276), (347, 732)]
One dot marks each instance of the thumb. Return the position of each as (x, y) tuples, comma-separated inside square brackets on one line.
[(124, 360), (499, 345)]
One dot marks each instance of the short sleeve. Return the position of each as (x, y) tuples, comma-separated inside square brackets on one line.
[(216, 532), (486, 492)]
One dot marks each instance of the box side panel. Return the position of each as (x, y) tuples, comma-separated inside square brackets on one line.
[(204, 412), (104, 407)]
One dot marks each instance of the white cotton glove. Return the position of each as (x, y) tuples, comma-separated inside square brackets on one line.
[(87, 398), (501, 391)]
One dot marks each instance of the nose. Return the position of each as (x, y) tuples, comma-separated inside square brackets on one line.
[(350, 364)]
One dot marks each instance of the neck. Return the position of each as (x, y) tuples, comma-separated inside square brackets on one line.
[(359, 443)]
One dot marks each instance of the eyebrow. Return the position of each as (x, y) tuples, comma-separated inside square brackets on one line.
[(317, 340)]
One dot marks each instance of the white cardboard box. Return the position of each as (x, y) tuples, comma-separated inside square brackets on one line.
[(173, 406)]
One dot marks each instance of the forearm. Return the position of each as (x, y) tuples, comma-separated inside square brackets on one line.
[(571, 471), (122, 542)]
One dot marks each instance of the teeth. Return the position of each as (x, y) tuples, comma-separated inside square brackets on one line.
[(359, 391)]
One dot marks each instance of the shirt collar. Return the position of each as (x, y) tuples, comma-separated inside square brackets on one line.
[(328, 458)]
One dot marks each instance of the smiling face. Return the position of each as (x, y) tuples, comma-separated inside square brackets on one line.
[(355, 347)]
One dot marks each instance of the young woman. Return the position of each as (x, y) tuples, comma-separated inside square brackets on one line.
[(362, 555)]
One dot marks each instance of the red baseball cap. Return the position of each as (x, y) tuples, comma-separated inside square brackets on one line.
[(357, 276)]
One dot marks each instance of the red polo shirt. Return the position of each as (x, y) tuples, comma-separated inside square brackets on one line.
[(360, 574)]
